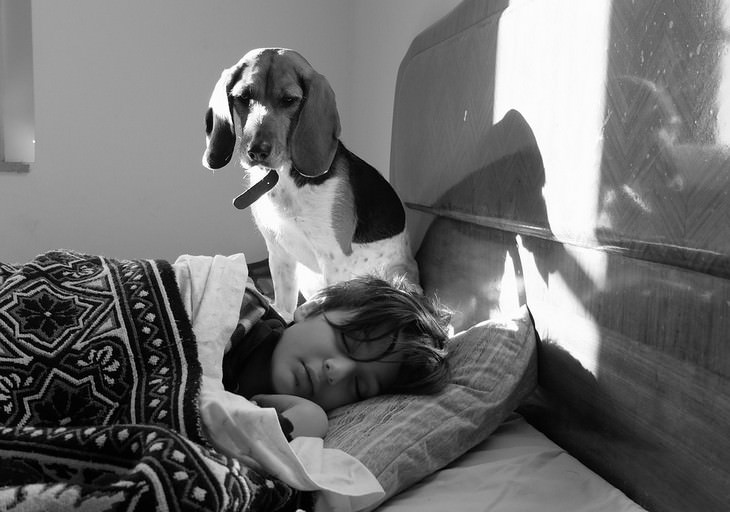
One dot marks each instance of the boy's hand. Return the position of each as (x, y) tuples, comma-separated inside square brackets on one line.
[(307, 418)]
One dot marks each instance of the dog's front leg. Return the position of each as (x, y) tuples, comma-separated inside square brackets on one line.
[(284, 277)]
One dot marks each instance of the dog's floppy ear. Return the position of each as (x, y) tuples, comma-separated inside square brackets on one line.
[(314, 139), (220, 130)]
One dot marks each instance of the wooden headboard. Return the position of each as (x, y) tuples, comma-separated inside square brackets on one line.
[(572, 155)]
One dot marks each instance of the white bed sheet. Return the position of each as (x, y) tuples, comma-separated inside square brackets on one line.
[(516, 469)]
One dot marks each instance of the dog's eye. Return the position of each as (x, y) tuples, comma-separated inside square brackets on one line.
[(288, 101), (245, 97)]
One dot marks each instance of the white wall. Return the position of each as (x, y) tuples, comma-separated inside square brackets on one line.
[(383, 31), (121, 88)]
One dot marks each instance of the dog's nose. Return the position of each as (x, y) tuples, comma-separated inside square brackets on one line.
[(259, 151)]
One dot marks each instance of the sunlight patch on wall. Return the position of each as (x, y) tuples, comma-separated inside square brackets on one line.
[(561, 94), (723, 93)]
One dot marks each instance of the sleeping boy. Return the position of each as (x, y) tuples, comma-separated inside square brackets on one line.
[(354, 340), (125, 364)]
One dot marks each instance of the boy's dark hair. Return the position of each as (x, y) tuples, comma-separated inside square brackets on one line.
[(417, 324)]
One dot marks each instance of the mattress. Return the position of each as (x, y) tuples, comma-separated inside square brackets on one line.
[(516, 469)]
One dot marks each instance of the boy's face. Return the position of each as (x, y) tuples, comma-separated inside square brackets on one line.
[(312, 360)]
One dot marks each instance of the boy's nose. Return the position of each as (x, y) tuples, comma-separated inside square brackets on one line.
[(337, 369)]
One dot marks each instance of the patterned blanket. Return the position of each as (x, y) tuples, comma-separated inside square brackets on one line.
[(99, 378)]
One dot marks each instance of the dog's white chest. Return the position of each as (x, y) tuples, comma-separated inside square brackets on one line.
[(299, 217), (298, 226)]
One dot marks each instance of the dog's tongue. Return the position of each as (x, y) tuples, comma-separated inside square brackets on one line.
[(256, 190)]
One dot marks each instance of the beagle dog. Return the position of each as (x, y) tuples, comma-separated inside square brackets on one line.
[(315, 202)]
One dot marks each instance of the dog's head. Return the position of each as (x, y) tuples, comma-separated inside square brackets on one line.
[(286, 111)]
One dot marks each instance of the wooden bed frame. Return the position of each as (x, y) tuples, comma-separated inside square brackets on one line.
[(577, 167)]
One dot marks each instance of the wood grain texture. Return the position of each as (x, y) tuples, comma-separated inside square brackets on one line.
[(628, 280), (633, 374)]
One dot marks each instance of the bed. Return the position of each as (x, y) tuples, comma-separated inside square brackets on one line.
[(565, 175), (572, 157)]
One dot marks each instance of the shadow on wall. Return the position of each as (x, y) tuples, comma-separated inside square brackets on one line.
[(510, 190)]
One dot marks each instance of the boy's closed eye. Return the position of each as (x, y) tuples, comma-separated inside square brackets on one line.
[(362, 348)]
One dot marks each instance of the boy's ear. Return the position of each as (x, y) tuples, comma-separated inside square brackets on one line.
[(306, 309)]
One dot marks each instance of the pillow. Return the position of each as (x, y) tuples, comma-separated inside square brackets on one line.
[(404, 438)]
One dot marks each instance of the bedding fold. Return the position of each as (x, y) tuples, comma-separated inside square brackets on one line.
[(99, 379), (106, 398)]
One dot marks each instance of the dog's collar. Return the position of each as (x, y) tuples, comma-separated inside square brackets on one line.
[(256, 190), (301, 180), (303, 175)]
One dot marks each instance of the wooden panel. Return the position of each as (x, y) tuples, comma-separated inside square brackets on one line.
[(599, 194), (634, 371), (665, 166), (635, 374)]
